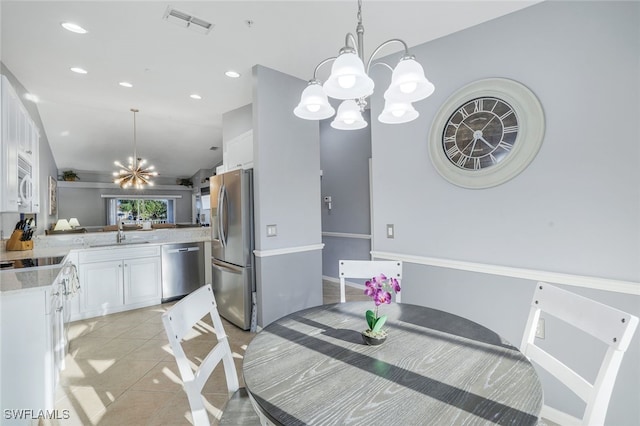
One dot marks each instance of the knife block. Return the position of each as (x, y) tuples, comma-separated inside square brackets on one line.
[(14, 243)]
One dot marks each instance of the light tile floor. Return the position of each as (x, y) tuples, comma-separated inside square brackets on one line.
[(120, 369)]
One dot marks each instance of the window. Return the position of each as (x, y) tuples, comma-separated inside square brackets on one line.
[(138, 209)]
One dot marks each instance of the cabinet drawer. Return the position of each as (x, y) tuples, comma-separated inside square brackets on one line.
[(119, 253)]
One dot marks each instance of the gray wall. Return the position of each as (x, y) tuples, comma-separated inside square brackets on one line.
[(344, 158), (47, 165), (237, 122), (575, 209), (287, 193)]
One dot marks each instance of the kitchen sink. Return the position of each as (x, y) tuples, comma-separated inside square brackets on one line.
[(124, 243)]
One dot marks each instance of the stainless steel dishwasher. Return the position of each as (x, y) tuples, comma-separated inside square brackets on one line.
[(182, 269)]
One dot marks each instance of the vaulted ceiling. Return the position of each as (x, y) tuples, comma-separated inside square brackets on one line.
[(87, 117)]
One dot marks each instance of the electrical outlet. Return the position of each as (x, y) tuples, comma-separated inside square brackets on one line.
[(540, 329)]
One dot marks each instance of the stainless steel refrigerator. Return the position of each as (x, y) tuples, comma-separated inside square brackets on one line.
[(232, 246)]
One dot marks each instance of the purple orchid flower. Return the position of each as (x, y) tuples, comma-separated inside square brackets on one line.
[(395, 285), (379, 289)]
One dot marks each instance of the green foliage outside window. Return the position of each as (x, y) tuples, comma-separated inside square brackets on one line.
[(140, 209)]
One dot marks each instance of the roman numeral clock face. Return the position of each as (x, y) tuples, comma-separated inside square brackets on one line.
[(486, 133), (480, 134)]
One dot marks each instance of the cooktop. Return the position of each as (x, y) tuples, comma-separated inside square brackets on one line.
[(30, 263)]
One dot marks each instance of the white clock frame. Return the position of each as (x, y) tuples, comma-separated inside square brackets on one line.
[(531, 125)]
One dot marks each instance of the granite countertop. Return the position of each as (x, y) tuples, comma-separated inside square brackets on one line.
[(40, 277), (28, 279), (61, 245)]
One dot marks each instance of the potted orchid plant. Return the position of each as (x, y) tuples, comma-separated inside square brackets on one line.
[(379, 288)]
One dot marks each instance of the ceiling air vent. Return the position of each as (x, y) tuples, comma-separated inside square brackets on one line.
[(185, 20)]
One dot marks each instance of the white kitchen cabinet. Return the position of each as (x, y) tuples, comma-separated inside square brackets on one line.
[(19, 155), (118, 279), (102, 284), (142, 281), (9, 149), (237, 153), (32, 348)]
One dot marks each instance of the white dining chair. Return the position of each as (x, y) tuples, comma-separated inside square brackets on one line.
[(367, 269), (612, 326), (186, 319)]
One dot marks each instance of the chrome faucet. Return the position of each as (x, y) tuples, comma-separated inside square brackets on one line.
[(120, 236)]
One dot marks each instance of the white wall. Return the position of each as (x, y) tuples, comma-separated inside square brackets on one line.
[(575, 209)]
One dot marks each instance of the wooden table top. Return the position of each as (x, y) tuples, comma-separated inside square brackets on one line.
[(311, 367)]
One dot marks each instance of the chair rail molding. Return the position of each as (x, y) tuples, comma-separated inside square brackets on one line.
[(596, 283), (346, 235), (287, 250)]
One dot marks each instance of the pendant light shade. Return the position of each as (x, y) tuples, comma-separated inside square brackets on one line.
[(348, 79), (397, 112), (349, 117), (314, 104), (408, 83)]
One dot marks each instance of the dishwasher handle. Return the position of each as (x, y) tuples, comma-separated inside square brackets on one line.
[(182, 250)]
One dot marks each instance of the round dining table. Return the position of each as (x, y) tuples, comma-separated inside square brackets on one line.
[(435, 368)]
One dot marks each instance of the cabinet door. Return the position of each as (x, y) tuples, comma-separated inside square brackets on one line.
[(29, 186), (238, 152), (35, 169), (102, 285), (142, 280), (9, 151)]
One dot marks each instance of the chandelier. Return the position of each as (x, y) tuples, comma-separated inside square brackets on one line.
[(135, 173), (351, 83)]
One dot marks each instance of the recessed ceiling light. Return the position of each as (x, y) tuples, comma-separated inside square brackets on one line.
[(195, 96), (79, 70), (125, 84), (232, 74), (74, 28)]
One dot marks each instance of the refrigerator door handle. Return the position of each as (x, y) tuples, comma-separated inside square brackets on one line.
[(226, 267), (221, 215)]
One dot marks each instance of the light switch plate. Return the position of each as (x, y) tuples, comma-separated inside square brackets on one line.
[(390, 231), (272, 230)]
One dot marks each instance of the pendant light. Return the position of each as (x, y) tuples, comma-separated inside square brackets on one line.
[(350, 82), (135, 173)]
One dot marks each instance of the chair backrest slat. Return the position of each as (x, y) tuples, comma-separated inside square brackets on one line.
[(366, 269), (610, 325)]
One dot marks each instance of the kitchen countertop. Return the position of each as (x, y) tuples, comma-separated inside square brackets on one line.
[(37, 278)]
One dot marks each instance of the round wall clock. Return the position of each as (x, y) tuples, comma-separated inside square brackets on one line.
[(486, 133)]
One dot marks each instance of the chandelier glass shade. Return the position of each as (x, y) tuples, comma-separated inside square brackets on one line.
[(349, 117), (397, 112), (314, 103), (349, 81), (135, 173)]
